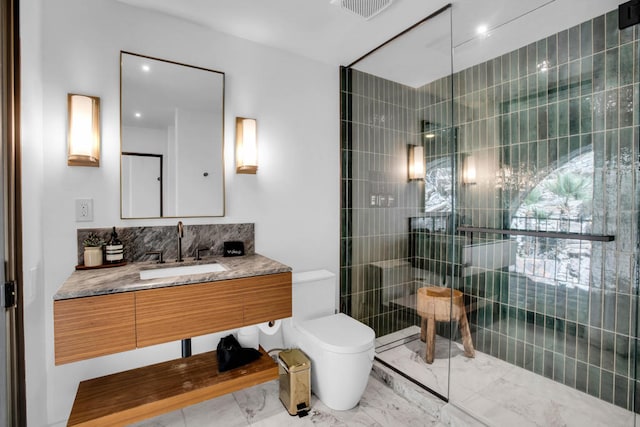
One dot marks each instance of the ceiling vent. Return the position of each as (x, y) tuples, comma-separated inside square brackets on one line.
[(366, 9)]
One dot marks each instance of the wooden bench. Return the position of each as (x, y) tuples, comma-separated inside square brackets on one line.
[(126, 397)]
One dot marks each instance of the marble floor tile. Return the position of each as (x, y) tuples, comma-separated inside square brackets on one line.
[(260, 406), (497, 393), (484, 391)]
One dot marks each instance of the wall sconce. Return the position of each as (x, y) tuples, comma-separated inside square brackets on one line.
[(416, 162), (468, 170), (246, 146), (428, 129), (84, 130)]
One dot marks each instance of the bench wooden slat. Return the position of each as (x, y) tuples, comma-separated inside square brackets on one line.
[(126, 397)]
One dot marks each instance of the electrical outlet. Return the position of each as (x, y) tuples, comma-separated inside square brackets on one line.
[(84, 210)]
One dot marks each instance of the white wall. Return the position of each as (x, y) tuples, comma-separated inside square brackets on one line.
[(293, 200)]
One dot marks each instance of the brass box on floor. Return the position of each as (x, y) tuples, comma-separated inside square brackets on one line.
[(295, 381)]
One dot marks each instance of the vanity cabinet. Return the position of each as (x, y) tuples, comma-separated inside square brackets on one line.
[(93, 326), (266, 299), (170, 314)]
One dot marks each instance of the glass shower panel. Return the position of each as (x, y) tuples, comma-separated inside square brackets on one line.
[(547, 210), (397, 232)]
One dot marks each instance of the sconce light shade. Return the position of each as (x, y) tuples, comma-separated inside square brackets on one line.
[(84, 130), (416, 162), (246, 146), (469, 170)]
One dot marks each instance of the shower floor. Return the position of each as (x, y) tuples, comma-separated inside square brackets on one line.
[(493, 390)]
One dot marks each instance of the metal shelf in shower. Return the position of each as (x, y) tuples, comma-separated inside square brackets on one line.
[(533, 233)]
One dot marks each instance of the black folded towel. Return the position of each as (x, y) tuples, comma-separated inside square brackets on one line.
[(232, 355)]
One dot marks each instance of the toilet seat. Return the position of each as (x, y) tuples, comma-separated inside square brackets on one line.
[(339, 333)]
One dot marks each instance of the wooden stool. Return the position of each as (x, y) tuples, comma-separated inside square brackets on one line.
[(435, 305)]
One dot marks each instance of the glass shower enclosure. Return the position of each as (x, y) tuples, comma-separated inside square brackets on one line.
[(527, 206)]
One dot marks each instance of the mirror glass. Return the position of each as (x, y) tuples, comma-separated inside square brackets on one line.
[(171, 129)]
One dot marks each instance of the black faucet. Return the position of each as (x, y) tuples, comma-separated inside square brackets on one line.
[(159, 253), (197, 258), (180, 236)]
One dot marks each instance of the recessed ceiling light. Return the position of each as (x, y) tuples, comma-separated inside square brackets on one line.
[(138, 115), (145, 68), (482, 30), (430, 135)]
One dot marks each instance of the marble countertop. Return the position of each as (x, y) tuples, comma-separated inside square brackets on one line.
[(103, 281)]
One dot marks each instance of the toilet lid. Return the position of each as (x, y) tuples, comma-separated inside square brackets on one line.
[(340, 333)]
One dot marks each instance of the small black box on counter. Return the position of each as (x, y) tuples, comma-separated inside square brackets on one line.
[(233, 248)]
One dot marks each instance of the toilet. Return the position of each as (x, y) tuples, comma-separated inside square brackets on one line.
[(340, 348)]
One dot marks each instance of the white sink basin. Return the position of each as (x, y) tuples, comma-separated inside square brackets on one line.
[(183, 270)]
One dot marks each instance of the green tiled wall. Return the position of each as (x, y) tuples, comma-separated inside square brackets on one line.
[(534, 110), (531, 111)]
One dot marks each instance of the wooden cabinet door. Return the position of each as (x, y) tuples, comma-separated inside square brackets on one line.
[(93, 326), (185, 311), (267, 298)]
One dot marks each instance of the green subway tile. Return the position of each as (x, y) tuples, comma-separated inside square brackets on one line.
[(490, 71), (522, 62), (598, 34), (563, 118), (574, 116), (627, 106), (609, 311), (586, 38), (574, 43), (552, 121), (506, 68), (611, 109), (582, 373), (523, 122), (608, 351), (574, 79), (595, 346), (560, 336), (549, 333), (621, 391), (558, 367), (611, 29), (541, 52), (550, 300), (582, 347), (636, 103), (626, 64), (585, 114), (586, 146), (532, 59), (570, 372), (598, 72), (593, 386), (547, 369), (541, 90), (611, 146), (586, 76), (552, 85), (533, 125), (598, 111), (622, 355), (552, 50), (542, 154), (563, 82), (511, 351), (513, 64), (611, 68), (563, 47), (538, 360)]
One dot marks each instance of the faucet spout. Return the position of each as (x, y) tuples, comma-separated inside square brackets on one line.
[(180, 236)]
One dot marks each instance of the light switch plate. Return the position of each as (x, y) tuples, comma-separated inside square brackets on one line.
[(84, 210)]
